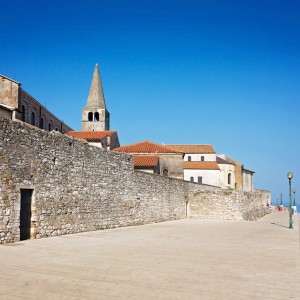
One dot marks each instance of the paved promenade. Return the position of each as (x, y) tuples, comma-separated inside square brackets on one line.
[(185, 259)]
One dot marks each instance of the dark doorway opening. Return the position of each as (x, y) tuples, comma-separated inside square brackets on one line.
[(25, 214)]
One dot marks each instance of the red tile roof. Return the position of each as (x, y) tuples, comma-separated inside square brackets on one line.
[(146, 147), (91, 135), (145, 161), (193, 148), (201, 165)]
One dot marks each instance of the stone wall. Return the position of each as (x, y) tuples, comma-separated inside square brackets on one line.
[(5, 112), (77, 187), (228, 204)]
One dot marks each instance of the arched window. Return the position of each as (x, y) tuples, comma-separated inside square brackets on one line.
[(96, 116), (49, 127), (189, 158), (202, 158), (192, 179), (33, 118), (90, 116), (42, 123), (229, 178), (23, 111), (56, 129), (165, 172)]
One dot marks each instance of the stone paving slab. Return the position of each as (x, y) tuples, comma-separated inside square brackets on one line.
[(185, 259)]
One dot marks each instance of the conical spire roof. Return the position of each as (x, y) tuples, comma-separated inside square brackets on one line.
[(96, 96)]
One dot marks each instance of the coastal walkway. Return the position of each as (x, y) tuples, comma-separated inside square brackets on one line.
[(184, 259)]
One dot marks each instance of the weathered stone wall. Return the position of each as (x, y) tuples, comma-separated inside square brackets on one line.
[(228, 204), (5, 112), (78, 187)]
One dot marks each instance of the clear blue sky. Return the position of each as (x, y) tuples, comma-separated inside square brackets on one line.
[(218, 72)]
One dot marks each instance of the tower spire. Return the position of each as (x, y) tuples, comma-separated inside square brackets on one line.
[(96, 96), (95, 116)]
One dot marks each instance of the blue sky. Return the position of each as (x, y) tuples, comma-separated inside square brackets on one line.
[(225, 73)]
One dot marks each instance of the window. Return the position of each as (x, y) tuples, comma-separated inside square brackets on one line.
[(189, 158), (33, 118), (165, 172), (192, 179), (229, 178), (96, 116), (202, 158), (200, 179), (49, 127), (23, 111), (42, 123), (90, 116)]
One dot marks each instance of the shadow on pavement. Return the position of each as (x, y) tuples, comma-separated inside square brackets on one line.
[(279, 225)]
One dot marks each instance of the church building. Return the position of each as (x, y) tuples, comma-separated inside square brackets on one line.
[(96, 118)]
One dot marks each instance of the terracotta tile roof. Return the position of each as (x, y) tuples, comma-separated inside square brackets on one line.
[(146, 147), (193, 148), (201, 165), (91, 135), (145, 161), (223, 161)]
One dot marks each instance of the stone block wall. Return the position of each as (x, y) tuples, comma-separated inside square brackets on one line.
[(77, 187), (228, 204)]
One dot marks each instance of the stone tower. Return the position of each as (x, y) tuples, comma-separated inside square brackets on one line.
[(95, 116)]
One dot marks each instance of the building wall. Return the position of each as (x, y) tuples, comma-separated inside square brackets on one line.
[(247, 181), (210, 177), (238, 171), (5, 113), (172, 163), (77, 187), (43, 118), (226, 169), (9, 92), (13, 95), (197, 157)]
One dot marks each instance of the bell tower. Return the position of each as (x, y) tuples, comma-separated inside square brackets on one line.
[(95, 116)]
